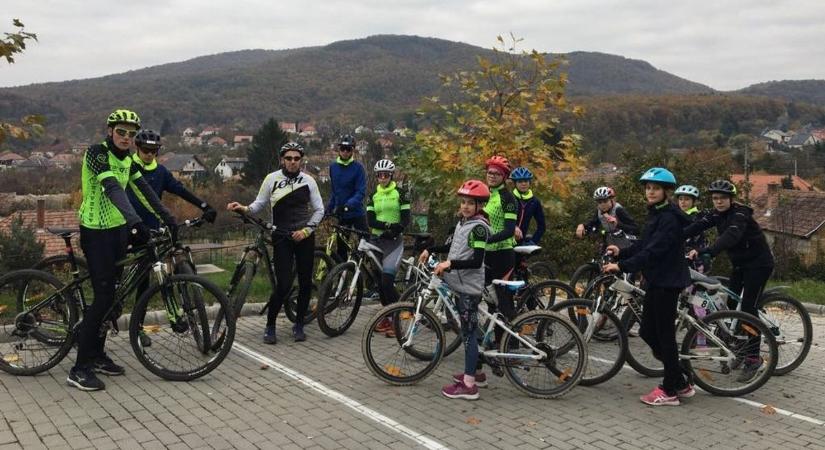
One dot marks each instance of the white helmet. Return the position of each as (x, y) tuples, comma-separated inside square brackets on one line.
[(603, 193), (384, 165)]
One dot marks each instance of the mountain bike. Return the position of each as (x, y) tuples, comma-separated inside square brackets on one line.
[(587, 272), (39, 324), (541, 353)]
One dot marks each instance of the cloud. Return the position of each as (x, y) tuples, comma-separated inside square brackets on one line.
[(726, 45)]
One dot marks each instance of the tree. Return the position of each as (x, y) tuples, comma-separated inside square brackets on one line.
[(263, 153), (511, 106), (166, 127), (19, 249), (10, 45)]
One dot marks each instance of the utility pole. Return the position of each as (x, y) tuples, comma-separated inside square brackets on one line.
[(795, 173), (747, 177)]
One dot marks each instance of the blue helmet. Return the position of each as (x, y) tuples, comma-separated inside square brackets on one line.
[(521, 174), (659, 175)]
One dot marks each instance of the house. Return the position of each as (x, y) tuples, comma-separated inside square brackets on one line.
[(759, 184), (819, 135), (208, 132), (801, 139), (185, 165), (402, 132), (164, 156), (306, 129), (385, 143), (79, 148), (188, 132), (362, 129), (40, 219), (794, 222), (230, 167), (776, 136), (241, 139), (65, 160), (36, 163), (288, 127), (217, 141), (9, 159)]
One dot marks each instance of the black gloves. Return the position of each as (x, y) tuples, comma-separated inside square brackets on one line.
[(139, 234), (209, 214), (341, 209)]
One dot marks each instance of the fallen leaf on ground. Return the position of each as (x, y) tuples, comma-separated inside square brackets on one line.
[(3, 308), (473, 420), (264, 366), (769, 410)]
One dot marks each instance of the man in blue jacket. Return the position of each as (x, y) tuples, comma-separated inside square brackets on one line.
[(349, 186)]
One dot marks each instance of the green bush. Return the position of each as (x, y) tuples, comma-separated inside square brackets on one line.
[(19, 249)]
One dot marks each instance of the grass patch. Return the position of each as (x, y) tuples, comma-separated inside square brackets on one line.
[(805, 290)]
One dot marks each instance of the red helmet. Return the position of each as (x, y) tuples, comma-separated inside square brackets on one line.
[(475, 189), (500, 163)]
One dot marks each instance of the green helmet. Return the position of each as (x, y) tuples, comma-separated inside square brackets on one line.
[(123, 116)]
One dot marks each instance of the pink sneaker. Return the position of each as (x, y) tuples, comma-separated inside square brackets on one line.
[(687, 392), (658, 397), (481, 379), (460, 390)]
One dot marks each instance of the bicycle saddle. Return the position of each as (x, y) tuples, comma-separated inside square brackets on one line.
[(63, 232), (365, 246), (527, 249), (511, 285), (706, 282)]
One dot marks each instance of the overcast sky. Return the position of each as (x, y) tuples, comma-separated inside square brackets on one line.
[(726, 44)]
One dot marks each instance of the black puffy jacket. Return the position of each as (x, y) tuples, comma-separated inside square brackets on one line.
[(738, 233), (660, 253)]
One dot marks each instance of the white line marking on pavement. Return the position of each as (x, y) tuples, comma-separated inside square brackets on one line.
[(781, 411), (343, 399)]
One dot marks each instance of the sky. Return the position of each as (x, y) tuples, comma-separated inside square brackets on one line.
[(725, 44)]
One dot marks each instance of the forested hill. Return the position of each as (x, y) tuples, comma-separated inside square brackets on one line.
[(364, 79)]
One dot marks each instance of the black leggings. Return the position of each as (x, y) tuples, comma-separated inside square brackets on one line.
[(287, 254), (750, 283), (499, 264), (102, 248), (658, 329)]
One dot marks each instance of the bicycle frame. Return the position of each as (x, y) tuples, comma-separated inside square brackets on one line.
[(494, 320)]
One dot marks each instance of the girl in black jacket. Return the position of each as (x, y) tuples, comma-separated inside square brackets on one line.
[(747, 248), (660, 255)]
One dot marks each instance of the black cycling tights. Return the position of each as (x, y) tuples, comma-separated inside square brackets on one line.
[(288, 254)]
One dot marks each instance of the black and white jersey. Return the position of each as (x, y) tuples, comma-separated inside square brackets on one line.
[(296, 201)]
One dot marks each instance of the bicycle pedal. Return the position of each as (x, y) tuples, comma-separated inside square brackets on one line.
[(497, 370)]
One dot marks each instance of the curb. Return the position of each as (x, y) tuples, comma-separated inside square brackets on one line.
[(814, 308)]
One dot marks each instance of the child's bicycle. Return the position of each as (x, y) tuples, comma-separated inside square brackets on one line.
[(41, 315), (584, 275), (541, 353)]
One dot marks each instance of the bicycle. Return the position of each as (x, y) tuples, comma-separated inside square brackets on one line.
[(47, 313), (247, 266), (539, 347), (587, 272)]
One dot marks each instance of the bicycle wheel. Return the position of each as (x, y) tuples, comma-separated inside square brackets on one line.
[(599, 289), (790, 323), (565, 360), (639, 355), (541, 271), (195, 309), (544, 294), (37, 321), (389, 359), (746, 337), (60, 267), (322, 264), (583, 275), (605, 357), (451, 328), (339, 299), (175, 353)]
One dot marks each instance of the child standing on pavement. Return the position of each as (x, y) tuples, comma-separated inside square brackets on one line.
[(463, 271), (660, 255)]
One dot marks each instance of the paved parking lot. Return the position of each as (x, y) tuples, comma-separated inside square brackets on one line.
[(319, 394)]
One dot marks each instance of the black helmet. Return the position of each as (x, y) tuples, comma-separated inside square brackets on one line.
[(722, 187), (347, 141), (148, 139), (292, 146)]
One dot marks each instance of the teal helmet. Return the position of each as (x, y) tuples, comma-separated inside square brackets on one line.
[(659, 175)]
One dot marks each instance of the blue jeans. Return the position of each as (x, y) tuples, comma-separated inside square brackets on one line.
[(468, 313)]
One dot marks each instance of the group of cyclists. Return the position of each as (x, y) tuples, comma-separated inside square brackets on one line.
[(121, 204)]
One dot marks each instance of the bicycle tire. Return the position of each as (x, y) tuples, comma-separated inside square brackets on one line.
[(396, 372), (329, 302), (59, 265), (197, 313), (452, 342), (568, 377), (599, 368), (16, 286), (323, 263), (704, 377), (546, 293), (639, 355), (541, 271), (582, 277), (782, 367), (598, 289), (206, 362)]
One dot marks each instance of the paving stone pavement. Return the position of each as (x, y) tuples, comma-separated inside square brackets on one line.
[(244, 405)]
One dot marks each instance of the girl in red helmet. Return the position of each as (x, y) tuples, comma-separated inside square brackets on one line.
[(463, 271)]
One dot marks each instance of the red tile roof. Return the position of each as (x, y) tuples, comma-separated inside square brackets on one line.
[(760, 181), (799, 213), (55, 219)]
